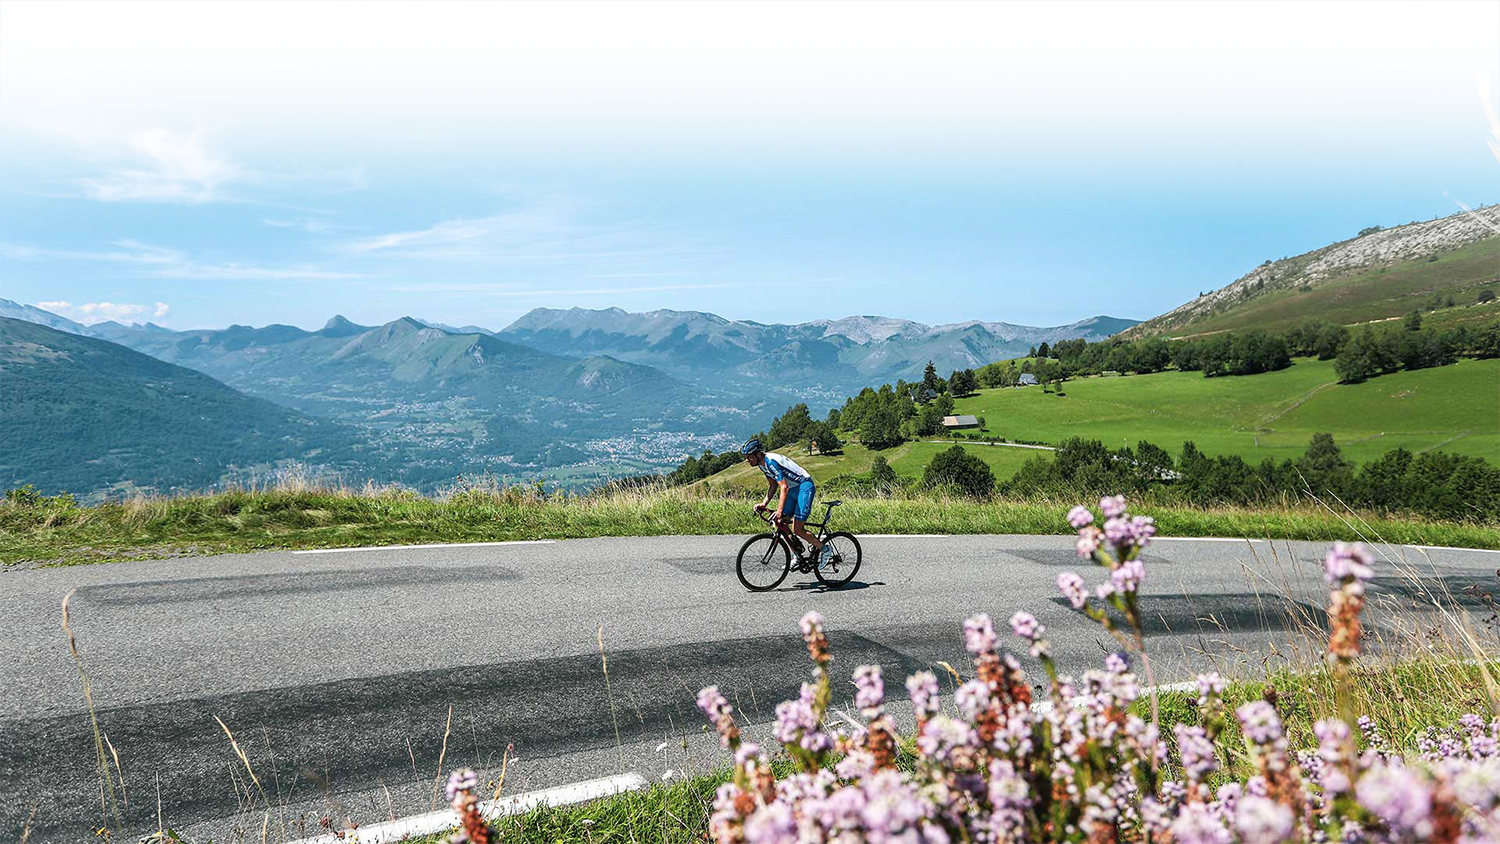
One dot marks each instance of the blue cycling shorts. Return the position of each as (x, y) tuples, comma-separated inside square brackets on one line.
[(799, 501)]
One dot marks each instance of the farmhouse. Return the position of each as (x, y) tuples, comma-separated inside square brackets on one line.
[(954, 423), (1026, 380)]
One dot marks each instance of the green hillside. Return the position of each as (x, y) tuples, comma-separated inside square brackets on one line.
[(1371, 294), (1455, 408), (82, 415), (1451, 408), (1380, 274)]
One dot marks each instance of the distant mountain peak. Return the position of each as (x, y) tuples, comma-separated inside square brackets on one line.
[(338, 326)]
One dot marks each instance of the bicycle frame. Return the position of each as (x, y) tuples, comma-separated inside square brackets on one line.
[(785, 528)]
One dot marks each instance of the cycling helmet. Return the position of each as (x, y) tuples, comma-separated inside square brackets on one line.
[(751, 446)]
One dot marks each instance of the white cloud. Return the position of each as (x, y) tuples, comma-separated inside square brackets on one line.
[(138, 146), (90, 313), (161, 262), (170, 168)]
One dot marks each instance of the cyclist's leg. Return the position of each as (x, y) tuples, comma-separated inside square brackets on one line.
[(788, 517), (805, 493)]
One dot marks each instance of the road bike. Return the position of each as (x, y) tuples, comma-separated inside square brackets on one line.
[(766, 558)]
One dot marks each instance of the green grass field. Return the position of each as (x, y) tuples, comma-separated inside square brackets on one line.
[(1455, 408), (908, 459)]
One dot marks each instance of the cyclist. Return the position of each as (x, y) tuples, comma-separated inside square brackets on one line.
[(796, 490)]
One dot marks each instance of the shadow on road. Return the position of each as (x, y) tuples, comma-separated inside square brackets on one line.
[(818, 588)]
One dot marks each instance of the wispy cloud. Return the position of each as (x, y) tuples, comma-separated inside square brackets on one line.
[(138, 146), (311, 225), (549, 231), (90, 313), (511, 291), (161, 262)]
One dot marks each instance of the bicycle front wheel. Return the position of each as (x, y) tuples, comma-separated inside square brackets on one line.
[(844, 564), (764, 562)]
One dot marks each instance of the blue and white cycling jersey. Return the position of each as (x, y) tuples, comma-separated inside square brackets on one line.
[(779, 468)]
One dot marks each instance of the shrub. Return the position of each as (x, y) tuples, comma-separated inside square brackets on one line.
[(824, 438), (959, 470)]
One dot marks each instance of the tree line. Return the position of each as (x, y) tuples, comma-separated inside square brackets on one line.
[(1357, 355), (1380, 350), (1434, 483)]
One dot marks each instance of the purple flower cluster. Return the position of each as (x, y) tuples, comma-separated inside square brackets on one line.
[(869, 696), (979, 634), (1116, 547), (1261, 724), (461, 781), (997, 769), (1074, 589), (1345, 562), (922, 689)]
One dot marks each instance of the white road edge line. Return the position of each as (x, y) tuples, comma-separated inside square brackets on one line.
[(1203, 539), (431, 822), (419, 547), (904, 535), (1451, 548)]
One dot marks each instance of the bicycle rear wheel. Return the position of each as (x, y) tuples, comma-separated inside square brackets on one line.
[(763, 562), (845, 563)]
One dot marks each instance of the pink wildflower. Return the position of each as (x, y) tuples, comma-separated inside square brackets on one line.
[(1112, 506), (1074, 589), (1025, 625), (979, 634), (1347, 561), (1080, 517)]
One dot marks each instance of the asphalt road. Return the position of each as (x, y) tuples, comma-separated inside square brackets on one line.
[(336, 671)]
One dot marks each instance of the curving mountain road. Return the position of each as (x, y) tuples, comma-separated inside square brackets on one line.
[(336, 671)]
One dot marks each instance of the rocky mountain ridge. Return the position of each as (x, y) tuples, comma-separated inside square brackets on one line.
[(1306, 272)]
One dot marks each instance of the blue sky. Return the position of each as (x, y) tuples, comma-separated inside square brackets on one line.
[(215, 163)]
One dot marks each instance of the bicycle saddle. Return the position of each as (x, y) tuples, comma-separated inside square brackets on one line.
[(833, 503)]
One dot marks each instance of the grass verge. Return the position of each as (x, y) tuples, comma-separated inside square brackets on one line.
[(60, 532)]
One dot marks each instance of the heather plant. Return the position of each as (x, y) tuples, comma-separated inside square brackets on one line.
[(1083, 765)]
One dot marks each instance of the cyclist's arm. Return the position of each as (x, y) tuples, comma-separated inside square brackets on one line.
[(770, 487)]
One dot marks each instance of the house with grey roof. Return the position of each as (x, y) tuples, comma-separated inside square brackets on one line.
[(954, 423)]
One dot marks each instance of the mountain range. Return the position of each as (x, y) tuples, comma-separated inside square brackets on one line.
[(834, 356), (576, 394)]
